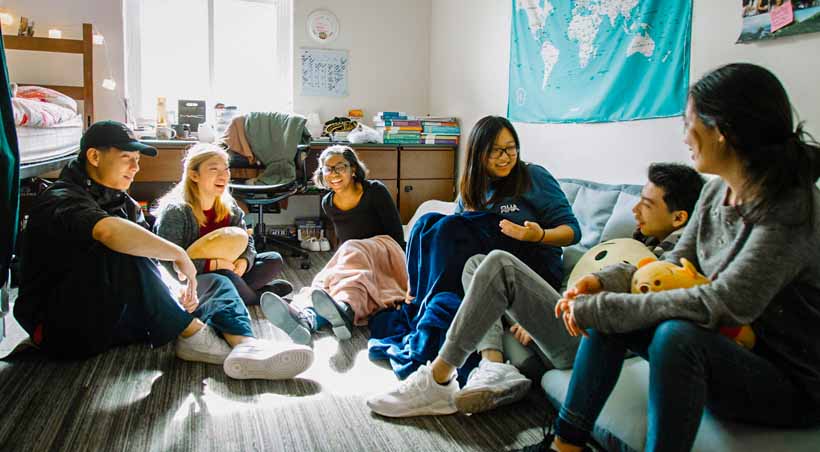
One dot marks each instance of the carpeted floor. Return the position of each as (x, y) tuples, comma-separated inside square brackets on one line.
[(139, 399)]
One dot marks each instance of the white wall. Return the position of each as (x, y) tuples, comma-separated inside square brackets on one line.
[(469, 64), (389, 49), (65, 69)]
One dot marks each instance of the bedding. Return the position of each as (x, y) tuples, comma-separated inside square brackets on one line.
[(39, 144), (35, 106)]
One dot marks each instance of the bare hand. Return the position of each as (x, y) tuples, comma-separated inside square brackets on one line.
[(186, 271), (520, 334), (408, 299), (566, 310), (240, 266), (586, 285), (530, 232), (222, 264)]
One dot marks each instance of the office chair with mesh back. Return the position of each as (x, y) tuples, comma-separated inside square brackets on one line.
[(259, 196)]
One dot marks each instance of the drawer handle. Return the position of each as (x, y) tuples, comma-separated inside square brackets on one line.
[(408, 188)]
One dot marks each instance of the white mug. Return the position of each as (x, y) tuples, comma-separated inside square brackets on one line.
[(166, 133), (205, 133)]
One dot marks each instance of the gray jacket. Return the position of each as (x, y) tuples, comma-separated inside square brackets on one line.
[(177, 223), (766, 274)]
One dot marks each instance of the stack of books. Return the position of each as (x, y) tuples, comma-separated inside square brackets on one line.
[(440, 130), (398, 127)]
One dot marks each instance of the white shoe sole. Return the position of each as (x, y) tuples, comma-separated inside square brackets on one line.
[(272, 364), (484, 398), (199, 357), (440, 408)]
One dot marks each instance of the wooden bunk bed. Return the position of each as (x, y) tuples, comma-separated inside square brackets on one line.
[(83, 93)]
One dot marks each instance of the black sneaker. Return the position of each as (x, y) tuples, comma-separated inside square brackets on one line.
[(340, 315), (278, 286), (544, 446)]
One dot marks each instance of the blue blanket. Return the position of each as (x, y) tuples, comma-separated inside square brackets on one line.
[(437, 250)]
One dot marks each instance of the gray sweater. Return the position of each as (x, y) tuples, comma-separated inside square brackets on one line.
[(765, 274), (177, 223)]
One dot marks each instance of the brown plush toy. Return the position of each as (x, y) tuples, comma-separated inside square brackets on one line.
[(224, 243), (654, 276)]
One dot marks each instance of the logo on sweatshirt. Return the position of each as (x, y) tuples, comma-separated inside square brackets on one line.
[(509, 208)]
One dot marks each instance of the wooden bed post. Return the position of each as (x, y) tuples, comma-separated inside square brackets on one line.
[(88, 75)]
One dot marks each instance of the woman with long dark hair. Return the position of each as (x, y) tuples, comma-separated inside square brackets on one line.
[(367, 273), (756, 235), (509, 211)]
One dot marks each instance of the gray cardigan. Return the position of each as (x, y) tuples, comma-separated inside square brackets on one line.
[(177, 223), (766, 274)]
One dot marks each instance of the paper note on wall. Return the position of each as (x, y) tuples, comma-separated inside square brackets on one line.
[(324, 72), (781, 15)]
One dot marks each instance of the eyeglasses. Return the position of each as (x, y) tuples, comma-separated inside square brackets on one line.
[(511, 152), (338, 169)]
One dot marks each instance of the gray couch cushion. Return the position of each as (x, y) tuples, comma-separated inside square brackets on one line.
[(603, 211), (622, 423)]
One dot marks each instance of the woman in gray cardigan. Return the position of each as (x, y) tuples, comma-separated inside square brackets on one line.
[(200, 203), (756, 234)]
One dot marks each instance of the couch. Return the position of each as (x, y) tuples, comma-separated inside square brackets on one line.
[(604, 212)]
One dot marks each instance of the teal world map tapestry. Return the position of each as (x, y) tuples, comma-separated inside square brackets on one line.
[(598, 60)]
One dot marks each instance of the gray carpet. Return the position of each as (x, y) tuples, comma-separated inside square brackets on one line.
[(138, 399)]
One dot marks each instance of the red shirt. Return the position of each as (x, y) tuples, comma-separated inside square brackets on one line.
[(211, 225)]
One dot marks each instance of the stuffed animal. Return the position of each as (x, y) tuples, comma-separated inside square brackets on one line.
[(654, 276), (224, 243), (608, 253)]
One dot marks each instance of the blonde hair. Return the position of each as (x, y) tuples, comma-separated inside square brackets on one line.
[(187, 191)]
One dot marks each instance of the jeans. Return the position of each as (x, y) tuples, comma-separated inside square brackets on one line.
[(501, 284), (265, 268), (691, 368)]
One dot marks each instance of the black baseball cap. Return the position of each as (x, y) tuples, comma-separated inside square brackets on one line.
[(105, 134)]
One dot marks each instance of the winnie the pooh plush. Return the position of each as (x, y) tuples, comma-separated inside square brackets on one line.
[(654, 276), (226, 243)]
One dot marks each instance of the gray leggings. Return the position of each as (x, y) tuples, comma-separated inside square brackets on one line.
[(498, 284)]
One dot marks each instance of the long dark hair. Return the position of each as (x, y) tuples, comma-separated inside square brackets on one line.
[(750, 107), (356, 166), (475, 181)]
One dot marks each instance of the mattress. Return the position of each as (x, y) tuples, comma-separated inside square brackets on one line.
[(40, 144)]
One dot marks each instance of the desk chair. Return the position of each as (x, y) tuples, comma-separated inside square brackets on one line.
[(259, 196)]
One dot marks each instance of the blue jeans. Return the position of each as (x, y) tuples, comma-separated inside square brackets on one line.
[(691, 368), (157, 318)]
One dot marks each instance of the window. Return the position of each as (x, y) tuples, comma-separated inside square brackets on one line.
[(236, 52)]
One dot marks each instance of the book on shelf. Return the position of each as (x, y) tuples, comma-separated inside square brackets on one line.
[(397, 122), (391, 114), (442, 130)]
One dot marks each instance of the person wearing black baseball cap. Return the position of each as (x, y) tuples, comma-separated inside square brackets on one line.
[(88, 281)]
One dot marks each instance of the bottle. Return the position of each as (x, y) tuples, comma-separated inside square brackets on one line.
[(162, 113)]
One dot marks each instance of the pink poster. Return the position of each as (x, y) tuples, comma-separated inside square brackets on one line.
[(782, 14)]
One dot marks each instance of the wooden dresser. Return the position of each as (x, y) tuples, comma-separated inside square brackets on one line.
[(413, 173)]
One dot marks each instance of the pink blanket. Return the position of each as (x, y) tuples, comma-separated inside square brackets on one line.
[(370, 275)]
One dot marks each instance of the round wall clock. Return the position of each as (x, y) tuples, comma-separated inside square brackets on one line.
[(322, 25)]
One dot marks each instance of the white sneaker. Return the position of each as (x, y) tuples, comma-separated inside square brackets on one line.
[(203, 346), (324, 245), (418, 395), (491, 385), (265, 360), (313, 244)]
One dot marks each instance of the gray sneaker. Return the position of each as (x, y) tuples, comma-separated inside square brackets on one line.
[(295, 323), (491, 385), (204, 346), (266, 360)]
